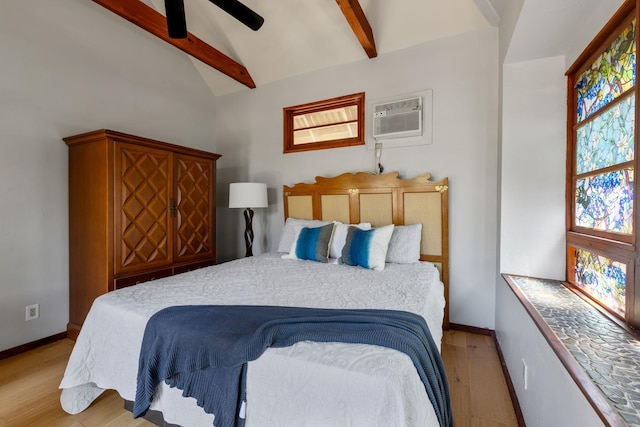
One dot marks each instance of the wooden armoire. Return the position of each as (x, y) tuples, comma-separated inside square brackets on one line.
[(139, 210)]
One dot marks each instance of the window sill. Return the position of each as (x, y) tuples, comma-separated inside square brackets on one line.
[(601, 355)]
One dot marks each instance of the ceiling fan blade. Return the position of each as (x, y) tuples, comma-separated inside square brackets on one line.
[(241, 12), (176, 21)]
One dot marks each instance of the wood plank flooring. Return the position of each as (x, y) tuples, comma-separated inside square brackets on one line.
[(29, 394), (479, 392)]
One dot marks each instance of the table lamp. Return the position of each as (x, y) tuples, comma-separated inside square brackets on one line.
[(248, 195)]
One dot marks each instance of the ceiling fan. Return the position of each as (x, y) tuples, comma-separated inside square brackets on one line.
[(177, 24)]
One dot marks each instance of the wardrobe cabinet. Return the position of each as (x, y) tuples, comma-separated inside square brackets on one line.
[(139, 210)]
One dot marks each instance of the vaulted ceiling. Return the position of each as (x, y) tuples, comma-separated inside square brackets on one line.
[(299, 36)]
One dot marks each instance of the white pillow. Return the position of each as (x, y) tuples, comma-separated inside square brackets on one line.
[(404, 246), (340, 236), (288, 235), (367, 248)]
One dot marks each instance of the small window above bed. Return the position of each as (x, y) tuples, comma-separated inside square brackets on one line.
[(331, 123)]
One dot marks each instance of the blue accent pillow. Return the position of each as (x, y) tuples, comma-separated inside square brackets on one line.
[(312, 243), (291, 225), (367, 248)]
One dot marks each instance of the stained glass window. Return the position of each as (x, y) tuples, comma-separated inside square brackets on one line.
[(608, 139), (601, 175), (610, 75), (605, 202), (602, 278)]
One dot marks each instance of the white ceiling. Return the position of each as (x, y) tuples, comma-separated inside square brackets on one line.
[(299, 36), (302, 36), (549, 28)]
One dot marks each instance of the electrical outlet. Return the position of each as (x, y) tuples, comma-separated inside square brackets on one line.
[(32, 312), (525, 375)]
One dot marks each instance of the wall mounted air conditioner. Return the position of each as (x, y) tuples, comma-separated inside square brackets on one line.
[(398, 119)]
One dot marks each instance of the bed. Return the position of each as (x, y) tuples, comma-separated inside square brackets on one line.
[(308, 383)]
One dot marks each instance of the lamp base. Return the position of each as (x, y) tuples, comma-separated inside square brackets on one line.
[(248, 231)]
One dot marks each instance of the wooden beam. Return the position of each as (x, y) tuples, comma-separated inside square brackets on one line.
[(359, 24), (150, 20)]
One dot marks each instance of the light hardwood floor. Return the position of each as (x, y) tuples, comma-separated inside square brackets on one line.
[(479, 393), (29, 395)]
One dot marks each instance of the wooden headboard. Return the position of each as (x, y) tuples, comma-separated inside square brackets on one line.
[(381, 200)]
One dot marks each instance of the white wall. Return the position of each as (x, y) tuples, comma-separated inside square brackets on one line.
[(552, 397), (463, 73), (64, 69), (533, 168), (509, 13)]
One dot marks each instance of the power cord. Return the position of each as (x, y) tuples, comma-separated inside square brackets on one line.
[(379, 167)]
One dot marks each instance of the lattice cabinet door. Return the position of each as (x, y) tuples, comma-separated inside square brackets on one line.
[(195, 214), (142, 222)]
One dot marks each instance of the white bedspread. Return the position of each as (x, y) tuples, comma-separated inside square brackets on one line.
[(353, 385)]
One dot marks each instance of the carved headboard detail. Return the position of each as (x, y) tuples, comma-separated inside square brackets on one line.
[(381, 200)]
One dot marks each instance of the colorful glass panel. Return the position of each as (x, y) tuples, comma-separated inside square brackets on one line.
[(605, 202), (602, 278), (611, 74), (607, 140)]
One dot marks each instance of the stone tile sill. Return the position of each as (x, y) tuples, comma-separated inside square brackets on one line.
[(601, 354)]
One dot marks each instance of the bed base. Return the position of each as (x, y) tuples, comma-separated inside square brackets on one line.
[(154, 417)]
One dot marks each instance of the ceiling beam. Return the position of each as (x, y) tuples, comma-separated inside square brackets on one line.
[(359, 24), (150, 20)]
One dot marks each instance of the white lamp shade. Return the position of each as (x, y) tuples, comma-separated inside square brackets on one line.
[(248, 195)]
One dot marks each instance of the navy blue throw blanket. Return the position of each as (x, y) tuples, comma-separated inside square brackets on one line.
[(204, 350)]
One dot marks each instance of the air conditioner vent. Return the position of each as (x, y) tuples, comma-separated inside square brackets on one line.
[(398, 119)]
